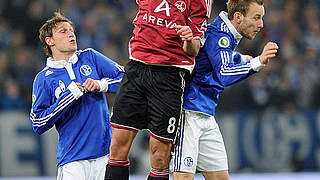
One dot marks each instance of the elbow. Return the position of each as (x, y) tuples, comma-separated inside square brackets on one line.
[(38, 130)]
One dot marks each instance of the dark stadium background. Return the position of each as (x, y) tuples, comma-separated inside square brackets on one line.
[(270, 122)]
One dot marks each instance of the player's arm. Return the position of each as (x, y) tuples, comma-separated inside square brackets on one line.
[(110, 73), (226, 67), (45, 113), (239, 58), (191, 45)]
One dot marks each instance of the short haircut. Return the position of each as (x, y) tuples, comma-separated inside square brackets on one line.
[(46, 30), (241, 6)]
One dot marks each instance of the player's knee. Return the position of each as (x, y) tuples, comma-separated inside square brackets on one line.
[(218, 175), (183, 176), (160, 158)]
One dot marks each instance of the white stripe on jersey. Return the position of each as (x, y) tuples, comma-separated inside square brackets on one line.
[(62, 104), (224, 27), (225, 70), (209, 7), (55, 112)]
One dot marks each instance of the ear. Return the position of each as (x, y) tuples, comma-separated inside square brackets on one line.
[(49, 41), (238, 17)]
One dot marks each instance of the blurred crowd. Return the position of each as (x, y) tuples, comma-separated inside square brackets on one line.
[(290, 82), (104, 25)]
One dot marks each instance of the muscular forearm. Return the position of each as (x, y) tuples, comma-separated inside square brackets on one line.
[(191, 47)]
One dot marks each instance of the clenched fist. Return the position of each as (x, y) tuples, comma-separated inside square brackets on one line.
[(269, 52)]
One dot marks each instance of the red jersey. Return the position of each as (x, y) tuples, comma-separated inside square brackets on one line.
[(155, 40)]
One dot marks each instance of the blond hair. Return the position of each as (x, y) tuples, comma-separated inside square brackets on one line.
[(241, 6), (46, 30)]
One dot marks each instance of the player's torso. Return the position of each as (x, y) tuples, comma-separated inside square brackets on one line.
[(154, 38), (58, 79), (162, 14)]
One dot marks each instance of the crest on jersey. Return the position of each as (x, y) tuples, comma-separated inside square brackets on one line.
[(85, 70), (188, 161), (224, 42), (181, 5), (34, 97)]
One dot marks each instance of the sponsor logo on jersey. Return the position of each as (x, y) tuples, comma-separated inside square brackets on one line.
[(85, 70), (59, 89), (188, 161), (180, 5), (34, 97), (224, 42), (158, 21), (62, 86)]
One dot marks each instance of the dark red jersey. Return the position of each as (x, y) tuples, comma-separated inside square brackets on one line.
[(155, 40)]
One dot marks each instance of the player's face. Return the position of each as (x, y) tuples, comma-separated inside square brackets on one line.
[(252, 23), (63, 38)]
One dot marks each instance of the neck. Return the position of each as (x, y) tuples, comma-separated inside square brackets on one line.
[(62, 56), (235, 25)]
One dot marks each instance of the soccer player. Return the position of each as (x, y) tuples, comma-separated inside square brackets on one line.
[(199, 145), (69, 93), (166, 37)]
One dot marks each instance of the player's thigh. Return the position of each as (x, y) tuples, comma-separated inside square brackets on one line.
[(165, 94), (186, 146), (73, 170), (217, 175), (121, 142), (212, 153), (159, 153), (130, 106), (98, 168)]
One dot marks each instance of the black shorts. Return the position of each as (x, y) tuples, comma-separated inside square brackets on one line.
[(150, 97)]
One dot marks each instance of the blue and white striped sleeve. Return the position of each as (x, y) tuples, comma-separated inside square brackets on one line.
[(226, 63), (45, 113), (110, 73)]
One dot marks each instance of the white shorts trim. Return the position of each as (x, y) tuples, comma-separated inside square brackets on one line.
[(93, 169), (199, 145)]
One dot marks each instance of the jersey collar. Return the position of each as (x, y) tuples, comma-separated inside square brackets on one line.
[(61, 63), (224, 16)]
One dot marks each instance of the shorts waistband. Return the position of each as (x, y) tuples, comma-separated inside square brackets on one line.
[(168, 68)]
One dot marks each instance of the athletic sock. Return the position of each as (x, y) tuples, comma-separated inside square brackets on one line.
[(158, 174), (117, 170)]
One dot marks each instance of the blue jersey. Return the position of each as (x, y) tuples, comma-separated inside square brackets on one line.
[(81, 119), (218, 65)]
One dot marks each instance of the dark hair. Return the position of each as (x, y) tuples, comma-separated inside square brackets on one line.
[(241, 6), (46, 30)]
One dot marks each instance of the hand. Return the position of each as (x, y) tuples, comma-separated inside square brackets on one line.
[(248, 58), (184, 32), (91, 85), (269, 51), (79, 86)]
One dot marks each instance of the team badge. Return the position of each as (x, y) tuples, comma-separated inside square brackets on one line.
[(188, 161), (224, 42), (85, 70), (34, 97), (180, 5)]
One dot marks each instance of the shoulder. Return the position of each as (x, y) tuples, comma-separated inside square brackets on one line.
[(42, 76), (218, 38), (85, 52)]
